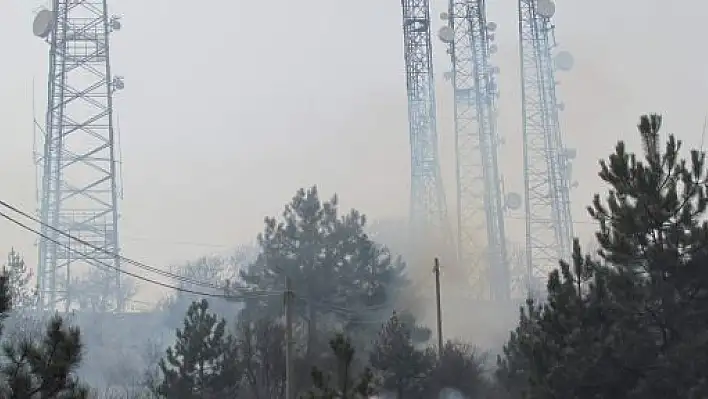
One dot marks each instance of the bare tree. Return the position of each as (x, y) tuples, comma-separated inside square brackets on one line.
[(98, 290), (19, 277)]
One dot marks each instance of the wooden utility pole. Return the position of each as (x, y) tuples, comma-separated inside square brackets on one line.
[(289, 369), (436, 270)]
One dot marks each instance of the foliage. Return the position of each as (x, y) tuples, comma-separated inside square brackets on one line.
[(203, 361), (44, 369), (631, 324), (402, 367), (19, 279), (460, 367), (337, 272), (341, 385), (262, 344)]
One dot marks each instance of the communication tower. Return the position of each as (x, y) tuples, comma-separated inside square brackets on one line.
[(78, 167), (547, 168), (428, 210), (481, 240)]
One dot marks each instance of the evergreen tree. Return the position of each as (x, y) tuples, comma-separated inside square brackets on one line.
[(19, 278), (653, 232), (402, 367), (514, 366), (460, 367), (632, 324), (46, 370), (40, 370), (204, 362), (341, 385), (331, 262), (262, 344)]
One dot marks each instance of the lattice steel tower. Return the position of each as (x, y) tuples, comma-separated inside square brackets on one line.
[(481, 241), (428, 210), (78, 167), (547, 173)]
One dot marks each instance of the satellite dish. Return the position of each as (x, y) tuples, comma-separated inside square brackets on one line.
[(513, 201), (115, 23), (491, 26), (43, 23), (546, 8), (564, 61), (444, 16), (446, 34), (118, 83), (493, 49)]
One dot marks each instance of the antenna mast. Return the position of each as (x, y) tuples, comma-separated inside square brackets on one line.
[(547, 169), (480, 203), (78, 192), (428, 210)]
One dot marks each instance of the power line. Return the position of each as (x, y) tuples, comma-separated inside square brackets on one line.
[(245, 294), (102, 250), (254, 294)]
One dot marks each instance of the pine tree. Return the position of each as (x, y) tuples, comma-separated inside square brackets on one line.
[(41, 370), (204, 362), (262, 343), (632, 324), (46, 370), (460, 367), (402, 367), (19, 277), (514, 365), (331, 262), (341, 385), (653, 232)]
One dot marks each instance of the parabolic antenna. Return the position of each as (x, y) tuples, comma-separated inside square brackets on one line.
[(444, 16), (118, 83), (513, 201), (546, 8), (491, 26), (43, 22), (446, 34), (564, 61)]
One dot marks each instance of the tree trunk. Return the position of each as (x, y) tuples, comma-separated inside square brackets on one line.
[(311, 332)]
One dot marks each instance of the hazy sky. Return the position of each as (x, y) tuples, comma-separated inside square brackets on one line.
[(230, 106)]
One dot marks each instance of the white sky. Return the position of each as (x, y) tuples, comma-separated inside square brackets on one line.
[(230, 106)]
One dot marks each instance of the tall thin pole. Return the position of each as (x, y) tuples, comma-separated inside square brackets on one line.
[(436, 270), (289, 370)]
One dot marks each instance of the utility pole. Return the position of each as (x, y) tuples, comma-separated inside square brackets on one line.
[(289, 369), (436, 270)]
